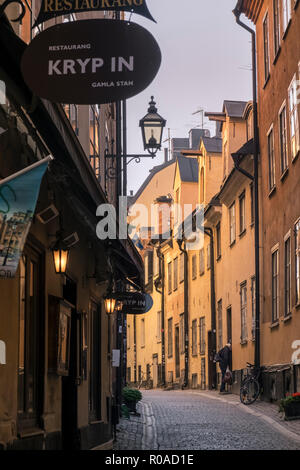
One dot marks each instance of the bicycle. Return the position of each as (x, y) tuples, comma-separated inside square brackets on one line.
[(251, 385)]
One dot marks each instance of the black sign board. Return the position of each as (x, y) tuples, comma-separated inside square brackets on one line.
[(134, 303), (91, 61), (52, 8)]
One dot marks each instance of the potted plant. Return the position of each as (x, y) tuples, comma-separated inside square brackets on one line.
[(291, 406), (130, 397)]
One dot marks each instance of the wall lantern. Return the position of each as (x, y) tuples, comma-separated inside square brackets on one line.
[(152, 126), (60, 253), (110, 304)]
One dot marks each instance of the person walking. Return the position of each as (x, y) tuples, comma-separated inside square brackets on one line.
[(225, 360)]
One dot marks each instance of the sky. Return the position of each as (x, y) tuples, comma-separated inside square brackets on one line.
[(206, 59)]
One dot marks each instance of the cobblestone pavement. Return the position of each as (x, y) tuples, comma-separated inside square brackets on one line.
[(195, 420)]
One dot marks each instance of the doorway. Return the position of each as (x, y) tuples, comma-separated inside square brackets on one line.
[(155, 370), (229, 325), (69, 387), (177, 354)]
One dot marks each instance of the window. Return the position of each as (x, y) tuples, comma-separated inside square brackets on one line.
[(95, 138), (194, 267), (181, 259), (95, 363), (287, 275), (232, 223), (128, 337), (201, 261), (252, 203), (208, 256), (276, 9), (297, 245), (175, 273), (225, 151), (170, 337), (202, 186), (286, 13), (181, 333), (266, 46), (159, 327), (243, 296), (220, 328), (155, 263), (218, 232), (203, 374), (170, 278), (283, 139), (275, 285), (253, 305), (194, 337), (143, 332), (271, 159), (146, 268), (71, 111), (242, 213), (202, 335), (30, 375), (294, 121)]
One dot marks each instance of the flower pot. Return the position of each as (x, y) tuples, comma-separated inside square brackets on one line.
[(131, 405), (292, 410)]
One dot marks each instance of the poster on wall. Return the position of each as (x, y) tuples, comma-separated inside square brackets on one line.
[(91, 61), (18, 197), (52, 8)]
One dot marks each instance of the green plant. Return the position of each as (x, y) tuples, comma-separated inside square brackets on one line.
[(131, 395), (285, 402)]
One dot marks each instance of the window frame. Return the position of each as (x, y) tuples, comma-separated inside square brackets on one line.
[(271, 159), (243, 311), (275, 278), (232, 224), (283, 146), (287, 275), (266, 46)]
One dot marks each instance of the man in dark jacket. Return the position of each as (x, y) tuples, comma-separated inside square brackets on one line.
[(225, 361)]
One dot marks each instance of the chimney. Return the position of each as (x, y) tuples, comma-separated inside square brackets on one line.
[(166, 150), (131, 193)]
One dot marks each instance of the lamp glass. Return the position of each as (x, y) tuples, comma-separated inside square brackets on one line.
[(60, 257), (110, 305)]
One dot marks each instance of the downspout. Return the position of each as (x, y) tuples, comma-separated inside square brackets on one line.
[(186, 314), (237, 12), (209, 232), (162, 292)]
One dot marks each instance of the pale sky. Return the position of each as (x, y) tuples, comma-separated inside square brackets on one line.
[(206, 59)]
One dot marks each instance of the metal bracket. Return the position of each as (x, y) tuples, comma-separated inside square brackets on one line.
[(9, 2), (111, 172)]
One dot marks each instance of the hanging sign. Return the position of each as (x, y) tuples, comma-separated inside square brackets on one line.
[(91, 61), (52, 8), (18, 197), (134, 303)]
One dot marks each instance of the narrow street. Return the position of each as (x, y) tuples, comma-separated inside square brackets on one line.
[(195, 420)]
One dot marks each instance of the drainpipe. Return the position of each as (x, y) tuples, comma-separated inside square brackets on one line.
[(162, 292), (209, 232), (186, 314), (237, 13)]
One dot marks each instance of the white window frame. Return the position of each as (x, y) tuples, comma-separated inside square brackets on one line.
[(286, 14), (243, 303), (272, 172), (232, 224), (288, 304), (286, 160), (293, 117), (266, 46), (275, 315), (277, 36)]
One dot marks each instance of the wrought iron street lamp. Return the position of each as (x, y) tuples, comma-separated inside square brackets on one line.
[(152, 126)]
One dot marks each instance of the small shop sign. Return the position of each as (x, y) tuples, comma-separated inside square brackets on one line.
[(53, 8), (91, 61), (134, 303)]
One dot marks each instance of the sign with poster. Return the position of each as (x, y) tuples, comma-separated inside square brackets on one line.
[(91, 61), (134, 303), (53, 8), (18, 197)]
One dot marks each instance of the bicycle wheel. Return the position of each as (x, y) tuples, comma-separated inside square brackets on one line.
[(249, 391)]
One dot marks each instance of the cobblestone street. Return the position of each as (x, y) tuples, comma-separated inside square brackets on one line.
[(195, 420)]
